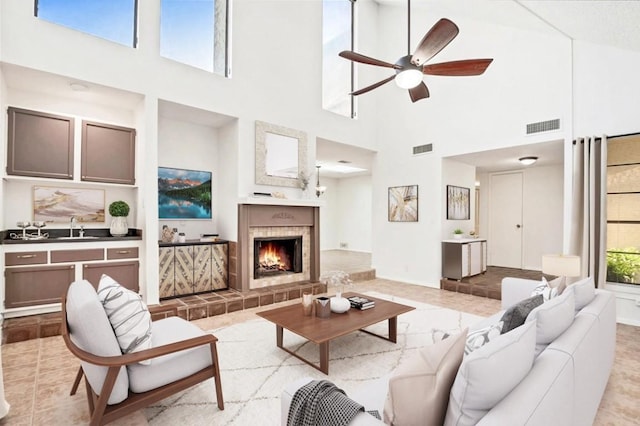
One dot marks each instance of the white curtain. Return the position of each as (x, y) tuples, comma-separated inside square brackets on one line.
[(589, 206)]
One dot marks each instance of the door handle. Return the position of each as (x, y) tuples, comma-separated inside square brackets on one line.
[(518, 226)]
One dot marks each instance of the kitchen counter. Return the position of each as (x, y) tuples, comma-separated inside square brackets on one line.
[(61, 235)]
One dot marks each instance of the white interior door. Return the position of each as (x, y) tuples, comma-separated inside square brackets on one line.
[(505, 220)]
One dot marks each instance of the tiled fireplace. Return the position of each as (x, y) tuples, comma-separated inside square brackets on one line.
[(277, 244)]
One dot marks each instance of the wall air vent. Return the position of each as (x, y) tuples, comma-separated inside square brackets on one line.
[(543, 126), (422, 149)]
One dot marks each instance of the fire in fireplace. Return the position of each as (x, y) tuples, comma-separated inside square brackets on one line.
[(277, 255)]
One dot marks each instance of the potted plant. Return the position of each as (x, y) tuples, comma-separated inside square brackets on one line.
[(119, 210), (457, 233)]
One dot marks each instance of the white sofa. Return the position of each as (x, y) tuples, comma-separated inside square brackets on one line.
[(564, 385)]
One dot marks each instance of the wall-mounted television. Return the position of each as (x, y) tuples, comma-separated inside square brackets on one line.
[(184, 194)]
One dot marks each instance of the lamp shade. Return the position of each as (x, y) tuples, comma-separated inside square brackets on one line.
[(561, 265)]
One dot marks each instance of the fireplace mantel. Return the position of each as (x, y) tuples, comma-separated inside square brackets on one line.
[(252, 216), (273, 201)]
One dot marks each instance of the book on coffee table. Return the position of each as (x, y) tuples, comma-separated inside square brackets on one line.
[(361, 303)]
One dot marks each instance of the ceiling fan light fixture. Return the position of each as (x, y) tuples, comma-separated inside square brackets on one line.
[(408, 79), (527, 161)]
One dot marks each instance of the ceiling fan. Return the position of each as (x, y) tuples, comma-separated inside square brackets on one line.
[(410, 68)]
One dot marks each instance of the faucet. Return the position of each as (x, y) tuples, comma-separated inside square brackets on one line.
[(71, 226)]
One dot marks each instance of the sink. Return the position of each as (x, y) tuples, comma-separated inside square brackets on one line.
[(87, 237)]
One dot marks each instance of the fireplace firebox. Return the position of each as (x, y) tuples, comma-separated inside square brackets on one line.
[(277, 256)]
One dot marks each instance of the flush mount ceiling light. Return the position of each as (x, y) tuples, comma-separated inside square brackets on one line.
[(527, 161)]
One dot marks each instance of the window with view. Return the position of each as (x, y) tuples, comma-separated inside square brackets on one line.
[(623, 209), (337, 73), (113, 20), (194, 32)]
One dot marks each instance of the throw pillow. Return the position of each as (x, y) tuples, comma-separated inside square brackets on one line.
[(515, 315), (559, 284), (552, 319), (128, 315), (476, 388), (419, 388), (549, 290), (478, 338), (585, 291)]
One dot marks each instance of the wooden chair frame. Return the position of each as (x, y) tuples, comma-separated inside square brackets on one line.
[(102, 413)]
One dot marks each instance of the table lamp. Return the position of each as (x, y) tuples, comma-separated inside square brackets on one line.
[(561, 265)]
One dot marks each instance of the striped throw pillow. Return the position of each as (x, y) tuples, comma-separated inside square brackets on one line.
[(128, 315)]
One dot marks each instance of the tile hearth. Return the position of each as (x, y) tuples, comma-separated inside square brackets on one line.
[(192, 307)]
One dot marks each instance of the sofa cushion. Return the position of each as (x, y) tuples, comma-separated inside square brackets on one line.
[(171, 367), (476, 389), (128, 315), (552, 319), (549, 290), (480, 337), (585, 291), (91, 331), (419, 388), (515, 315)]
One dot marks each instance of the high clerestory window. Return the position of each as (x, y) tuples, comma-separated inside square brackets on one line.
[(113, 20), (195, 33), (338, 29), (623, 209)]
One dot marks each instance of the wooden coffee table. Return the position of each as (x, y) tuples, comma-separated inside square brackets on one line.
[(322, 330)]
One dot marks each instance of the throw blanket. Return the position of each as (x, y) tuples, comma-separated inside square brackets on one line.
[(321, 403)]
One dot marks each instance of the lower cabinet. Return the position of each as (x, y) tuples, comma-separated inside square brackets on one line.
[(190, 269), (36, 285), (463, 258), (41, 277), (125, 273)]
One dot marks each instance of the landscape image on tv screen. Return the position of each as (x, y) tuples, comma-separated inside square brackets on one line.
[(184, 194)]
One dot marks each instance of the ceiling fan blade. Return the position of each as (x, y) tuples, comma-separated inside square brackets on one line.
[(357, 57), (373, 86), (419, 92), (434, 41), (458, 68)]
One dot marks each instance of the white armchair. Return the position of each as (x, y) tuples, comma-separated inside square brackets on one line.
[(181, 356)]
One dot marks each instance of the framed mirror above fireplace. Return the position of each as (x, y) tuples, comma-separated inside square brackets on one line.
[(281, 155)]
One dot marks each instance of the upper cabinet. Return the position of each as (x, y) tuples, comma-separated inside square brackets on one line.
[(39, 144), (108, 153)]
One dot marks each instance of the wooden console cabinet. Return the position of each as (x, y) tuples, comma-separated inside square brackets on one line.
[(463, 258), (193, 267)]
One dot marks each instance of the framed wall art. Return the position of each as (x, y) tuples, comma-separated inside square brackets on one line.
[(58, 204), (403, 203), (184, 194), (458, 199)]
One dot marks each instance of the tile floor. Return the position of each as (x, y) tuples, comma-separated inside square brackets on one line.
[(38, 373)]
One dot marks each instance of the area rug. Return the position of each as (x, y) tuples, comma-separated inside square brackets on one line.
[(254, 371)]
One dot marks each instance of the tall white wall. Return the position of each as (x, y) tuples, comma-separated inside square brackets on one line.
[(529, 83)]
